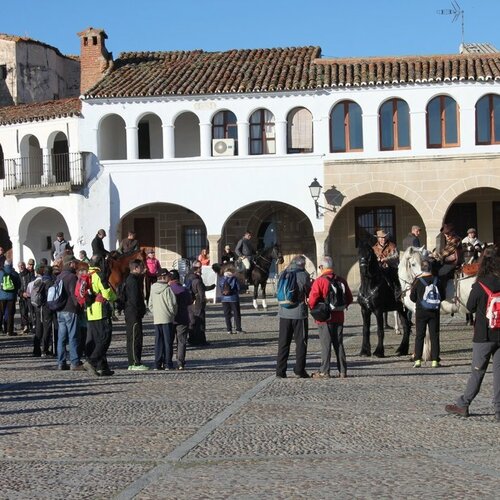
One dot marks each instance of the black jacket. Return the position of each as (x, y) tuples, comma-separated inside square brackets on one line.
[(98, 247), (477, 304), (418, 290), (69, 279), (134, 296)]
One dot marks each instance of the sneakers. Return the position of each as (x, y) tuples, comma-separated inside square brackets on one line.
[(229, 332), (302, 375), (435, 364), (181, 367), (418, 364), (63, 367), (320, 375), (105, 373), (462, 411), (138, 368)]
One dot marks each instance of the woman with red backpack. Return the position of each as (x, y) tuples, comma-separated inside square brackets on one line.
[(483, 300)]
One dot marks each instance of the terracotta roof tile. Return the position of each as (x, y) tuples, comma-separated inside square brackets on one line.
[(40, 111)]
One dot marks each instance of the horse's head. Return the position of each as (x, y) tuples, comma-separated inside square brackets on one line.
[(367, 260), (410, 265), (276, 254)]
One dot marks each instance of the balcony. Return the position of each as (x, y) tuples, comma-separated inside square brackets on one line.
[(49, 174)]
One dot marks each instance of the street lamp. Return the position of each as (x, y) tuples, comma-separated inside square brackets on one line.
[(315, 188)]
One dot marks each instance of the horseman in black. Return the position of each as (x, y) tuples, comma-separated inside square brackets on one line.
[(388, 260)]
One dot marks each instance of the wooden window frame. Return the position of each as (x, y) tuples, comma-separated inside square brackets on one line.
[(442, 118), (262, 129), (225, 126), (290, 149), (395, 120), (347, 128), (491, 112)]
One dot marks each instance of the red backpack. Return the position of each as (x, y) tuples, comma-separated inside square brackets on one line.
[(83, 289), (492, 307)]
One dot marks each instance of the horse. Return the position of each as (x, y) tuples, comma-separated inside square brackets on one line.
[(260, 271), (457, 290), (118, 266), (377, 295)]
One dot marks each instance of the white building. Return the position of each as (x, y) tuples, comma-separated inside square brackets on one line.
[(190, 147)]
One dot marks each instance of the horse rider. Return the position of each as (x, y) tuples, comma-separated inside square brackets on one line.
[(412, 239), (471, 246), (129, 244), (246, 253), (388, 259), (99, 253), (449, 257)]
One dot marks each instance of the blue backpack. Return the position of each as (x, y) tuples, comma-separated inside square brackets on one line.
[(288, 291), (56, 296), (432, 298)]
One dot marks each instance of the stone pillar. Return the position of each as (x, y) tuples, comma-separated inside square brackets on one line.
[(213, 244), (47, 176), (321, 135), (418, 130), (243, 138), (281, 144), (205, 140), (132, 143), (16, 254), (321, 239), (168, 141), (370, 139), (432, 229)]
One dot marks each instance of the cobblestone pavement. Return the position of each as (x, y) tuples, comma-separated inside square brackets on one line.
[(227, 428)]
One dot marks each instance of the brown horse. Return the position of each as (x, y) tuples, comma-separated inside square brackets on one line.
[(118, 265)]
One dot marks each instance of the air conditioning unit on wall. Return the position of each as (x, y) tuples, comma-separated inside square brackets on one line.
[(223, 147)]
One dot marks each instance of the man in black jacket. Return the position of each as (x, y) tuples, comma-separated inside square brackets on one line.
[(99, 253), (135, 309)]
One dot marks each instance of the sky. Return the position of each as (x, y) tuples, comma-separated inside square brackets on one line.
[(342, 28)]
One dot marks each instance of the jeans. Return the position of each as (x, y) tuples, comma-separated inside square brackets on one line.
[(164, 345), (67, 334)]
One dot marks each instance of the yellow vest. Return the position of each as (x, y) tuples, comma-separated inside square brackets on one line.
[(96, 310)]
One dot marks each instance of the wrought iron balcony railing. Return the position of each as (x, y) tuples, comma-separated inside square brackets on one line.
[(64, 172)]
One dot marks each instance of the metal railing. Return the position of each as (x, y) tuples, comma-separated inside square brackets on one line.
[(44, 173)]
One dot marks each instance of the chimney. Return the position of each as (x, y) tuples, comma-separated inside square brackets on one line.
[(94, 57)]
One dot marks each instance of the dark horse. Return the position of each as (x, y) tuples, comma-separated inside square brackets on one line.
[(260, 271), (376, 295)]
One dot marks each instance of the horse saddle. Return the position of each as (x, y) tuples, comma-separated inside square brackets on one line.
[(470, 269)]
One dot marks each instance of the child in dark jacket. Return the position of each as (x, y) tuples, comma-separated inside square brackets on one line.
[(425, 316)]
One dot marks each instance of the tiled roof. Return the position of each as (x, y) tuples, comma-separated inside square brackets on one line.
[(138, 74), (40, 111)]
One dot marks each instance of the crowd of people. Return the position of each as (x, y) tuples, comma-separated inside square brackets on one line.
[(69, 306)]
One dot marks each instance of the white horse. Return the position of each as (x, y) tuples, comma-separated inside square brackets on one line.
[(457, 290)]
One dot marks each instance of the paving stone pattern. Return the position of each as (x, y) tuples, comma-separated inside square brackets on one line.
[(227, 428)]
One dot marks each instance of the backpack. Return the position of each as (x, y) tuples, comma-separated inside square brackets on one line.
[(56, 296), (432, 298), (492, 307), (83, 289), (287, 292), (334, 301), (228, 286), (7, 283), (38, 295)]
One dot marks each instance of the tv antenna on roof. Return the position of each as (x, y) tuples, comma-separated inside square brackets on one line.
[(456, 12)]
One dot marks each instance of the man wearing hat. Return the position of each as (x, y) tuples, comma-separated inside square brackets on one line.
[(449, 257), (59, 246), (388, 258), (67, 318), (471, 245)]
